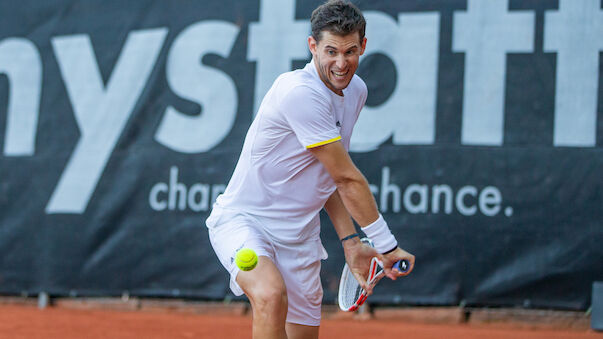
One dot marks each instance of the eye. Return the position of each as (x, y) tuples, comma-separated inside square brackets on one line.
[(331, 52)]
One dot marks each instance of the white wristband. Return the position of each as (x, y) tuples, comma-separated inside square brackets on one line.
[(379, 233)]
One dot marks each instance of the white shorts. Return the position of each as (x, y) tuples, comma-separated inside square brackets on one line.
[(298, 263)]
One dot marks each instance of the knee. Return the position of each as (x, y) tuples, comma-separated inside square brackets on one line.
[(270, 300)]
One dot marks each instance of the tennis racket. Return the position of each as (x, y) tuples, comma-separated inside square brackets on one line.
[(351, 295)]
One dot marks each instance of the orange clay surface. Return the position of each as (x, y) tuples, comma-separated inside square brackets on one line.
[(23, 321)]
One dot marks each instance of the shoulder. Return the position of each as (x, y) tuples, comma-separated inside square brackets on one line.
[(298, 86)]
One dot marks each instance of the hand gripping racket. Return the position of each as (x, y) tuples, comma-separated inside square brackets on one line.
[(351, 295)]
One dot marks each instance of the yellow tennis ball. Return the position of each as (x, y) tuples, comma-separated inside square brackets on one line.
[(246, 259)]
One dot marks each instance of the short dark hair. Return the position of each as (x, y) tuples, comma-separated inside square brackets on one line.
[(339, 17)]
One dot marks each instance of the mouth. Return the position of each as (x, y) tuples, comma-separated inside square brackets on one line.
[(340, 75)]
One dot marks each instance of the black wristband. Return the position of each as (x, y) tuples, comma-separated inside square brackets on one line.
[(390, 251), (350, 237)]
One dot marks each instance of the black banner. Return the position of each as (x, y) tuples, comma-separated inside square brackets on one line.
[(120, 123)]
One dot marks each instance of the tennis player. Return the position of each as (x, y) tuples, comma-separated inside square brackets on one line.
[(295, 162)]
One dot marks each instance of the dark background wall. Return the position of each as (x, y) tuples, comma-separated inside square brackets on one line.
[(482, 139)]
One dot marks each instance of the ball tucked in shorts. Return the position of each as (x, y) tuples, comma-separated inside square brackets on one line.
[(298, 263)]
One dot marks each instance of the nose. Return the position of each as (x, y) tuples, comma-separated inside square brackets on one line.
[(341, 62)]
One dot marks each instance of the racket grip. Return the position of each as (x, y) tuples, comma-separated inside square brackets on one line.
[(402, 265)]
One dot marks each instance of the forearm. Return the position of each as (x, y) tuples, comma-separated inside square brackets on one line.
[(365, 209), (358, 199), (340, 218), (355, 194)]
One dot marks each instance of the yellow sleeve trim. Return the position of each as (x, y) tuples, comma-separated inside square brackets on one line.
[(324, 142)]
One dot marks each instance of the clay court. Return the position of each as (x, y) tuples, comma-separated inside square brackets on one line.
[(27, 321)]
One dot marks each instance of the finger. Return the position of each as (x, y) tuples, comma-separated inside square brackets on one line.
[(412, 266), (390, 273), (368, 288), (362, 281), (402, 274), (396, 272)]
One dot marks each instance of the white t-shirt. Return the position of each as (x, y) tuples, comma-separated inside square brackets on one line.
[(277, 180)]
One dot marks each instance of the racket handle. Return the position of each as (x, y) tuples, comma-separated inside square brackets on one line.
[(402, 265)]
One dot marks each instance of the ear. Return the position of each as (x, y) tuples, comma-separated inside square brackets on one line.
[(312, 45), (362, 45)]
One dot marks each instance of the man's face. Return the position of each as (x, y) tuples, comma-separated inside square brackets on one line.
[(336, 58)]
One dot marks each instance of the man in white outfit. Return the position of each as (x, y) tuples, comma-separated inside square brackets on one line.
[(295, 162)]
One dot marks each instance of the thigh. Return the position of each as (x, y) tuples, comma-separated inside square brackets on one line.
[(300, 268), (230, 234), (264, 279)]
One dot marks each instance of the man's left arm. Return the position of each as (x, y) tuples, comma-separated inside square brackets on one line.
[(354, 193), (357, 254)]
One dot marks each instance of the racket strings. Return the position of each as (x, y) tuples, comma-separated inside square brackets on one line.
[(351, 295), (349, 290)]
